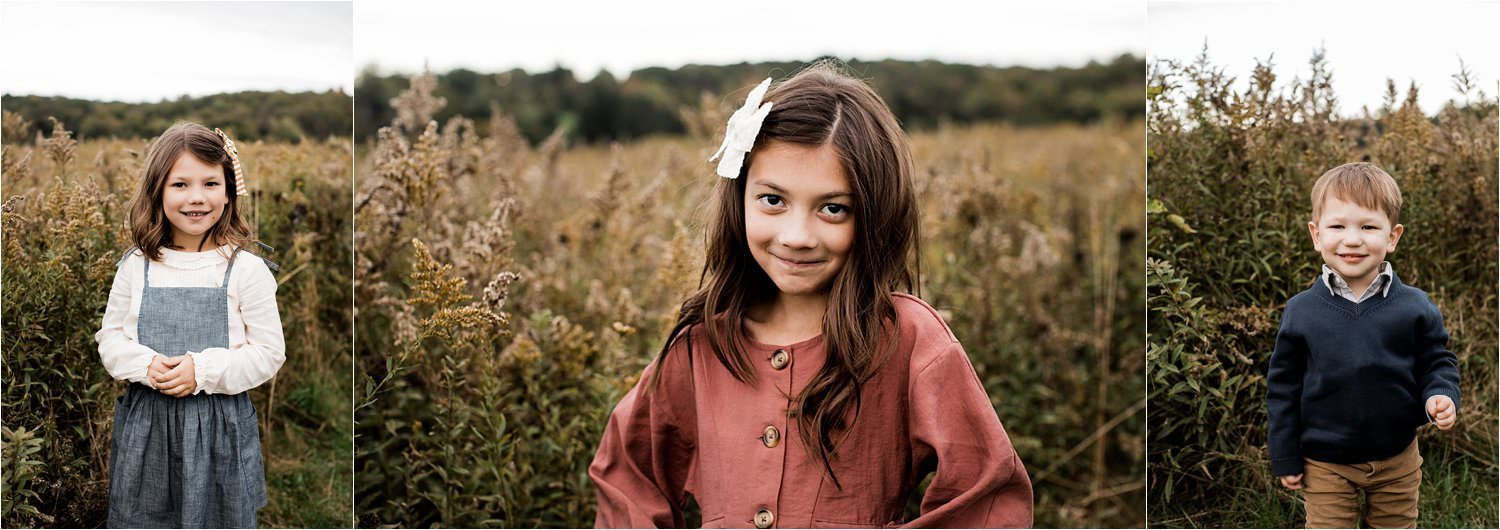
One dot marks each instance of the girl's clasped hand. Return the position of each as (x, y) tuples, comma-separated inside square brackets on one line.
[(173, 376)]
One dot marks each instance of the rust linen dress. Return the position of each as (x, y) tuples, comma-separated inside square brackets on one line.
[(734, 447)]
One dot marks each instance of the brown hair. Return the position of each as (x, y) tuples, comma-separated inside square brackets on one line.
[(820, 105), (1361, 183), (149, 228)]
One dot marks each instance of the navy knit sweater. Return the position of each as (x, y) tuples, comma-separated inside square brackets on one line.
[(1348, 383)]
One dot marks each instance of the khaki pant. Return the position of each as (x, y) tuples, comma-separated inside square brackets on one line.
[(1331, 492)]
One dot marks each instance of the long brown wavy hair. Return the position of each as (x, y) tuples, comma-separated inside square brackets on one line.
[(819, 105), (149, 228)]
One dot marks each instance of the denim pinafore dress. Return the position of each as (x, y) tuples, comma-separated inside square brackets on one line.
[(189, 462)]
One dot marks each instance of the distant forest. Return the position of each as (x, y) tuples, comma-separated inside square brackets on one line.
[(246, 116), (650, 101)]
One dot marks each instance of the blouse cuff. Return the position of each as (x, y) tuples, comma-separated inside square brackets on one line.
[(235, 370), (140, 365), (207, 372)]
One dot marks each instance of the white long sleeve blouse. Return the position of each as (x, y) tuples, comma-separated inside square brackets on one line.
[(256, 347)]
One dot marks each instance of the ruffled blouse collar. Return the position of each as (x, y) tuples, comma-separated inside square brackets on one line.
[(183, 260)]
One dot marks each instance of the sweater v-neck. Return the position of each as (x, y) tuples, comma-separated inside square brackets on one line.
[(1358, 309)]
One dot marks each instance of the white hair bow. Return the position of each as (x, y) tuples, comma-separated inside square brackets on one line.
[(739, 137)]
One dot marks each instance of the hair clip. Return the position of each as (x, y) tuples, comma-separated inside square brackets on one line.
[(739, 136), (234, 157)]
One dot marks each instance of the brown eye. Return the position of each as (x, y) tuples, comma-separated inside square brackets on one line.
[(834, 210)]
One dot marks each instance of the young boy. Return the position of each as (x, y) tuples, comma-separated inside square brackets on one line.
[(1361, 362)]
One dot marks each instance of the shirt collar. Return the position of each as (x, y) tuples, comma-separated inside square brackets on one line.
[(1335, 282)]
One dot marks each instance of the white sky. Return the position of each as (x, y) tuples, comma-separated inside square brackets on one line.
[(148, 51), (104, 50), (399, 36), (1366, 43)]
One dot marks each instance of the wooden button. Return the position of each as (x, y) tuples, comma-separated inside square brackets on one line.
[(780, 359), (764, 518), (771, 436)]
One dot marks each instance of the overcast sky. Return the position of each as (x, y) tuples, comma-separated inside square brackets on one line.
[(1366, 42), (586, 37), (148, 51)]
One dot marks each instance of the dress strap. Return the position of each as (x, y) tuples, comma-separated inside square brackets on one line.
[(271, 264), (230, 268)]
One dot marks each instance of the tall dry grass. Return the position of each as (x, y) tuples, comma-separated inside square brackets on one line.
[(65, 205), (509, 294), (1231, 172)]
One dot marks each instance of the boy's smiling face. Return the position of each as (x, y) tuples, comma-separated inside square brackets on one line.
[(1354, 240)]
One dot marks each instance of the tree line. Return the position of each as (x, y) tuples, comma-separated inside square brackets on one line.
[(923, 94), (287, 117)]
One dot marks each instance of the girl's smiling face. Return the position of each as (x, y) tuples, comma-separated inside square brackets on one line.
[(193, 198), (799, 218)]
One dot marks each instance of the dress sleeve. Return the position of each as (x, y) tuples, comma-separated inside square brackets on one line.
[(235, 370), (1284, 399), (980, 481), (648, 451), (123, 357)]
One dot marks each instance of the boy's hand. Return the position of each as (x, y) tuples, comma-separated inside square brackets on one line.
[(1440, 408), (1292, 482), (180, 379)]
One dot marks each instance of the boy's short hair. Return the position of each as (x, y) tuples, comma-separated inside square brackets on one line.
[(1361, 183)]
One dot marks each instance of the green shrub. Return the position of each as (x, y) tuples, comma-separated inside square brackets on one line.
[(63, 232), (1230, 177)]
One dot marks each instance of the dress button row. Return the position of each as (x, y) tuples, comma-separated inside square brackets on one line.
[(764, 518), (780, 359), (771, 436)]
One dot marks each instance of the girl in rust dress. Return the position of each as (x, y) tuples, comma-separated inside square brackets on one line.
[(801, 385)]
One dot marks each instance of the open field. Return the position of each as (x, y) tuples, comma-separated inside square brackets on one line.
[(64, 229), (508, 295)]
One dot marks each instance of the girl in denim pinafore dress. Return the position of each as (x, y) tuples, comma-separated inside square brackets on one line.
[(206, 444), (186, 448)]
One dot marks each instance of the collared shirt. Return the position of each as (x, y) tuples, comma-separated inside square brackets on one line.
[(1337, 286)]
